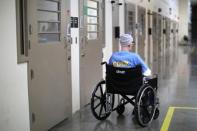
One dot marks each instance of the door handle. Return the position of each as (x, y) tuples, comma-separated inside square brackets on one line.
[(82, 54), (69, 58), (32, 74), (68, 39)]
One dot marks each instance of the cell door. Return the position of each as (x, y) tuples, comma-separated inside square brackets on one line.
[(91, 44), (130, 22), (49, 63), (141, 31), (159, 34), (149, 38), (159, 40), (168, 32), (155, 43), (164, 35), (174, 35), (171, 34), (177, 31)]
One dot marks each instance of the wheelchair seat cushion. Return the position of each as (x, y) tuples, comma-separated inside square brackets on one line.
[(123, 80)]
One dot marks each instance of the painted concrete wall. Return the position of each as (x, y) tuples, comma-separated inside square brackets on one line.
[(184, 18), (75, 60), (14, 107), (108, 30)]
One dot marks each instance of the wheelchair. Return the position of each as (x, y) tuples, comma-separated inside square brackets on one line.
[(133, 87)]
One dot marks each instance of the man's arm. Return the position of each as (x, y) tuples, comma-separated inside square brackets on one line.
[(146, 71), (110, 60)]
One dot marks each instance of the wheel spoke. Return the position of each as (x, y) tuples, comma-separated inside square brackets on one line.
[(97, 96), (105, 107), (146, 113), (97, 105), (101, 91), (101, 109), (144, 117)]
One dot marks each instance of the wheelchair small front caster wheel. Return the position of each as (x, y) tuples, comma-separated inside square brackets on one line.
[(120, 109), (156, 114)]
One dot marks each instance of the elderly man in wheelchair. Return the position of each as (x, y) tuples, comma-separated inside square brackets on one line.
[(129, 77)]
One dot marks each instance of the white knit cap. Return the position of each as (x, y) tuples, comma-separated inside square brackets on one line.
[(126, 39)]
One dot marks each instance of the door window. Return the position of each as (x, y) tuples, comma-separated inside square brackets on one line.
[(49, 16), (92, 19), (130, 20)]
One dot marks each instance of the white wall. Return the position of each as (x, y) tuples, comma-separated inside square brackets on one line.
[(108, 30), (184, 20), (14, 108), (75, 60)]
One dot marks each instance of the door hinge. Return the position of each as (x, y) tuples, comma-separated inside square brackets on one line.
[(33, 117), (31, 74), (69, 58), (30, 29), (150, 31), (29, 44)]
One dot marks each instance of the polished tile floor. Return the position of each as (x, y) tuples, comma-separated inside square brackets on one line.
[(177, 88)]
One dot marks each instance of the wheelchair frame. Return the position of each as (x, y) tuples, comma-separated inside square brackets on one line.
[(146, 94)]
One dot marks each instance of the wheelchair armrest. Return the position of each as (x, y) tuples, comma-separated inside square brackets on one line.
[(146, 78), (152, 76), (155, 75), (102, 63)]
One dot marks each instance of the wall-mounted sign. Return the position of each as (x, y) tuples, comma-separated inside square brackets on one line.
[(74, 22)]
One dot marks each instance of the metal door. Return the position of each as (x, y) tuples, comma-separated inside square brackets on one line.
[(149, 38), (174, 35), (164, 35), (171, 34), (130, 22), (159, 33), (162, 62), (115, 26), (141, 31), (177, 31), (49, 63), (168, 32), (155, 43), (159, 40), (91, 44)]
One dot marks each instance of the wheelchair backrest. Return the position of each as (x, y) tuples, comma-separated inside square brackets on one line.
[(123, 80)]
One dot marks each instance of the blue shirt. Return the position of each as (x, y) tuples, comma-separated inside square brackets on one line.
[(128, 60)]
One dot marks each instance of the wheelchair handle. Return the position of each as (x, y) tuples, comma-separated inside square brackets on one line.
[(102, 63)]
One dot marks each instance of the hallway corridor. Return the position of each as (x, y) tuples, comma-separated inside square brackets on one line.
[(177, 88), (51, 53)]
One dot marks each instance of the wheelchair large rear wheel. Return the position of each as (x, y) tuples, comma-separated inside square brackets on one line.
[(145, 105), (101, 105)]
